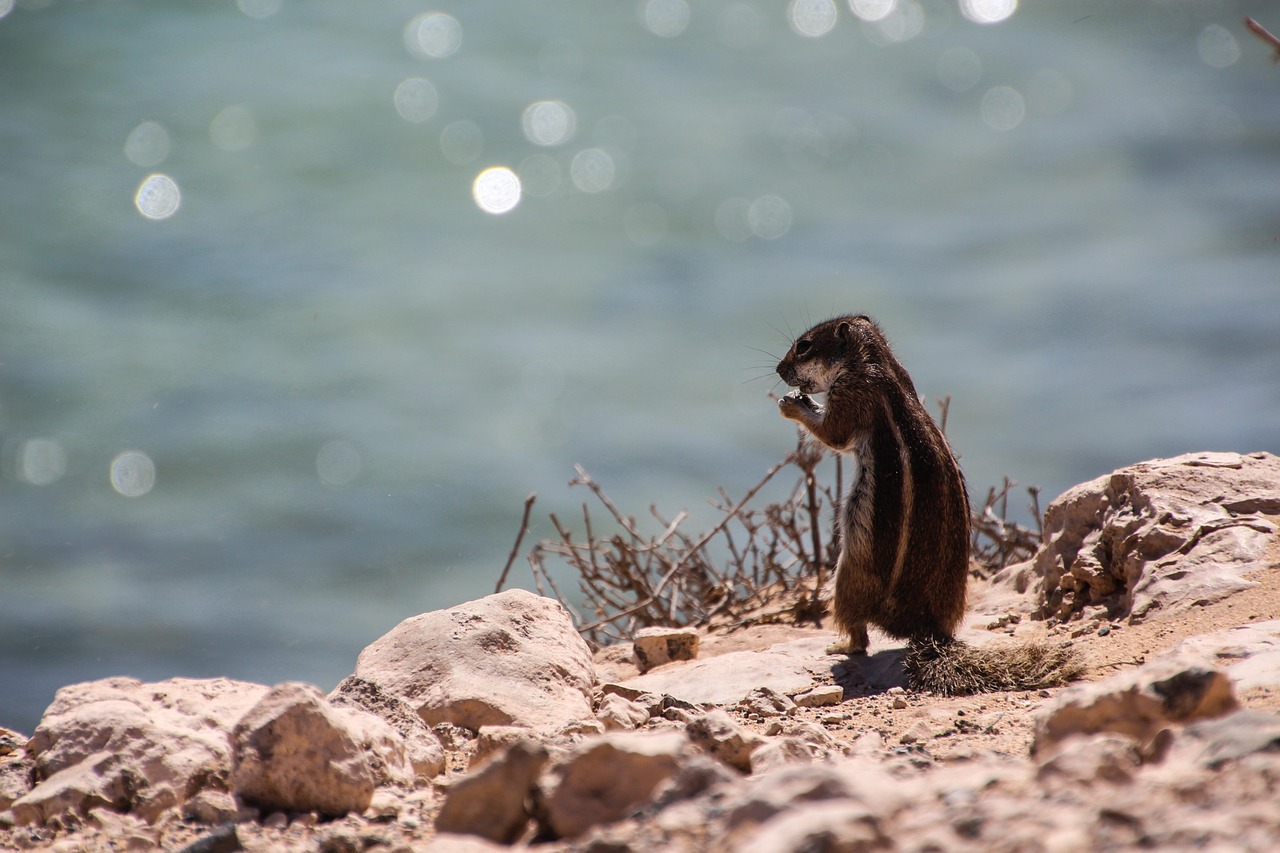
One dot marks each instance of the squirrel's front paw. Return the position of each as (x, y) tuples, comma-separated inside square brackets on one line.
[(797, 406)]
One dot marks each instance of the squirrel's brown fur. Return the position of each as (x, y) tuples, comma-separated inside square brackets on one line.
[(904, 525)]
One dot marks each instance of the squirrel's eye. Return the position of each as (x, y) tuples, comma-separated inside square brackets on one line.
[(802, 346)]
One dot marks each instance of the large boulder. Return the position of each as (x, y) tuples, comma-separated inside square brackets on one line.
[(295, 752), (1166, 534), (513, 658), (131, 746)]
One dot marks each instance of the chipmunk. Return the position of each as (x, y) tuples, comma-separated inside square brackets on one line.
[(904, 525)]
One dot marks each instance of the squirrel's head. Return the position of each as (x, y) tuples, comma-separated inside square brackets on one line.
[(831, 349)]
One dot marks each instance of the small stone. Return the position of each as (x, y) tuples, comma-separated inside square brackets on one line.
[(717, 735), (821, 696), (656, 646), (621, 714), (765, 702)]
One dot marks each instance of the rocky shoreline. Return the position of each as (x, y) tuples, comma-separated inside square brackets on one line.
[(493, 724)]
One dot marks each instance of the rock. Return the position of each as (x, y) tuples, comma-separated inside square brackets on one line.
[(1249, 654), (449, 843), (493, 740), (493, 802), (295, 752), (1136, 704), (830, 827), (168, 741), (656, 646), (725, 679), (764, 702), (423, 748), (621, 714), (720, 737), (604, 779), (1234, 736), (96, 781), (818, 697), (17, 771), (508, 659), (760, 798), (1166, 534)]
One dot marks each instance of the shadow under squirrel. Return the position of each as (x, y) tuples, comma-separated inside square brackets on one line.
[(904, 525)]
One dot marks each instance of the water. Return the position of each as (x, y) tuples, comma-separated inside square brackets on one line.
[(272, 379)]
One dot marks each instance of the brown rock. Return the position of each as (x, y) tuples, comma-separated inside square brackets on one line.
[(818, 697), (295, 752), (1136, 704), (508, 659), (606, 778), (655, 646), (493, 802)]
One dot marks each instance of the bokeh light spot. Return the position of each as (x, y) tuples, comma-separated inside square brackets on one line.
[(904, 22), (1003, 108), (416, 99), (462, 142), (133, 474), (158, 197), (666, 18), (769, 217), (1218, 48), (988, 11), (812, 18), (872, 10), (233, 129), (592, 170), (548, 123), (259, 8), (41, 461), (6, 6), (496, 190), (433, 35), (338, 463), (147, 145), (959, 69)]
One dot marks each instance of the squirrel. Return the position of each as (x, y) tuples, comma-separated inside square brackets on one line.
[(903, 528)]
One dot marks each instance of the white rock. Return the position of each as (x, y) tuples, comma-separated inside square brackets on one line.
[(720, 737), (295, 752), (1137, 704), (620, 714), (818, 697), (787, 668), (1160, 535), (169, 740), (827, 826), (655, 646), (508, 659), (606, 778), (423, 748)]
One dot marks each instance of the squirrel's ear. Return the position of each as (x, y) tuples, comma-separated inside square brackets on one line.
[(844, 331)]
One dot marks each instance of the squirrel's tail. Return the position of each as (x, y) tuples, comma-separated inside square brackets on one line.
[(952, 668)]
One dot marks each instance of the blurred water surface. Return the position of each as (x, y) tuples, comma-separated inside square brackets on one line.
[(298, 300)]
